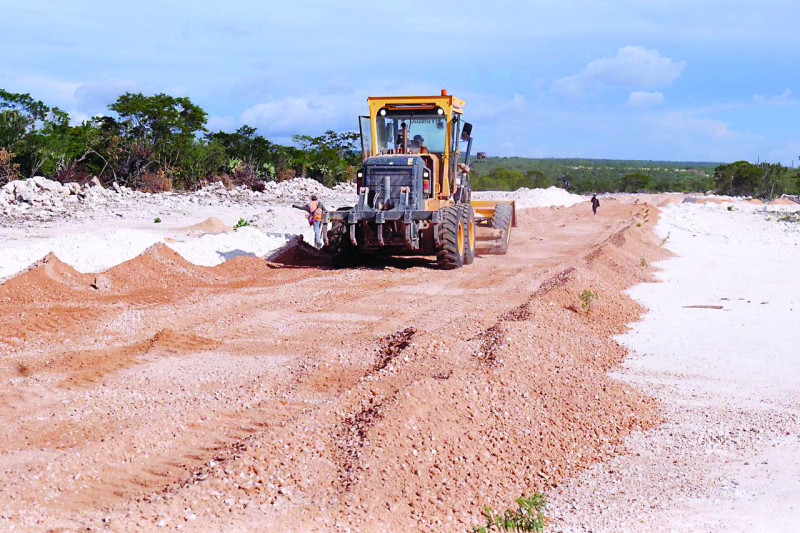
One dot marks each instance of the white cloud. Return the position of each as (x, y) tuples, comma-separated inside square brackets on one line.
[(642, 99), (633, 66), (221, 123), (688, 124), (784, 98), (289, 115), (77, 117), (489, 108), (49, 90)]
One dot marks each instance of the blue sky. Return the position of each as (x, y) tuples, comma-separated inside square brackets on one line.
[(677, 80)]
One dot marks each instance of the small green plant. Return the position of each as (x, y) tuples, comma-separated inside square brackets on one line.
[(157, 220), (665, 239), (586, 298), (643, 262), (241, 224), (528, 517), (638, 224), (785, 218), (730, 208)]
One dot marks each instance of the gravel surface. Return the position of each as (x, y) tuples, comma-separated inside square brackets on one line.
[(393, 397), (718, 350)]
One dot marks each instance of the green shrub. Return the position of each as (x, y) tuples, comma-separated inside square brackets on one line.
[(157, 220), (586, 298), (529, 516), (241, 224)]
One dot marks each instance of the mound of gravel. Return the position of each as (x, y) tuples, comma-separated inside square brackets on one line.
[(39, 199), (525, 198), (209, 225), (39, 196)]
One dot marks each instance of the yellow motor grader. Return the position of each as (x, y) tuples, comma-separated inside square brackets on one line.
[(414, 194)]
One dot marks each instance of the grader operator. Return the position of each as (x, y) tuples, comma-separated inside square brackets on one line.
[(414, 194)]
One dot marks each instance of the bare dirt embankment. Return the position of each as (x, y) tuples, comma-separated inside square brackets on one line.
[(390, 397)]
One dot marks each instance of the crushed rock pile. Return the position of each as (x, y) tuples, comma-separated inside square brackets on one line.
[(293, 190), (39, 195), (42, 199), (525, 197)]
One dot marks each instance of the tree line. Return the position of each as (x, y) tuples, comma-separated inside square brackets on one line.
[(761, 180), (157, 143), (161, 142)]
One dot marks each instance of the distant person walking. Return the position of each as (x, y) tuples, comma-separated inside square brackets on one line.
[(595, 204), (314, 208)]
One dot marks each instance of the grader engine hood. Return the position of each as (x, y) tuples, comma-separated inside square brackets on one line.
[(392, 183)]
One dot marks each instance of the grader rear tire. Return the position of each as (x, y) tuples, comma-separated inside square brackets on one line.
[(502, 221), (468, 216), (450, 252)]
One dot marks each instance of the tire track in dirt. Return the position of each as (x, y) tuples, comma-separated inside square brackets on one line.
[(491, 339)]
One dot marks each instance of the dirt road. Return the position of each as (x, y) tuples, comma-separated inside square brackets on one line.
[(164, 394)]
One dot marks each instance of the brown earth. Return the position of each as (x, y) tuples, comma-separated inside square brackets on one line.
[(392, 397), (209, 225), (782, 201)]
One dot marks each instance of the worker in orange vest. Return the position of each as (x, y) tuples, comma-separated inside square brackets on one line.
[(314, 208)]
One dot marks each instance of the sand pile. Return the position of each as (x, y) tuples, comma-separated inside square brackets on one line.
[(96, 252), (525, 198), (297, 252), (284, 219), (47, 280), (213, 249), (86, 252), (209, 225), (783, 201)]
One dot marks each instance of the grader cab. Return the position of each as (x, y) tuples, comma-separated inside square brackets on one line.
[(414, 193)]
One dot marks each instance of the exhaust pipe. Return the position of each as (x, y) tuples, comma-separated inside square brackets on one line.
[(387, 190)]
